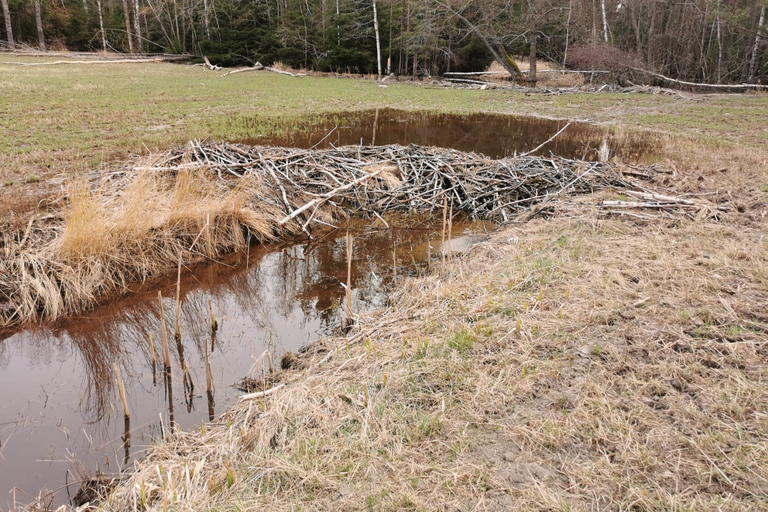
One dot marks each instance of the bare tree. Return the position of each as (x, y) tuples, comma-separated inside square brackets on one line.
[(39, 23), (756, 46), (378, 41), (137, 25), (489, 38), (8, 28), (127, 25), (101, 26)]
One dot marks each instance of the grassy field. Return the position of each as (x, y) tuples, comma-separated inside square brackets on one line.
[(67, 118), (584, 362)]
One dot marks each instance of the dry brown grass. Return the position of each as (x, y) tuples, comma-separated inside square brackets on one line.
[(546, 80), (123, 231), (562, 365)]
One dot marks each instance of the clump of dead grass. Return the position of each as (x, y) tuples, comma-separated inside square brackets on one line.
[(566, 365), (112, 234)]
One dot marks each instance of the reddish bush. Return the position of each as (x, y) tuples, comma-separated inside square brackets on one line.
[(603, 57)]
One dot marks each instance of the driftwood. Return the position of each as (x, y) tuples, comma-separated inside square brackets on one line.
[(107, 61), (209, 65), (259, 67), (702, 85)]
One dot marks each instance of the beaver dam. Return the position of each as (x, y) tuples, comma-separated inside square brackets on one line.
[(135, 222), (197, 203)]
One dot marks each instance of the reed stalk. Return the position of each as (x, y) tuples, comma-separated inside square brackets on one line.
[(163, 328), (121, 391), (178, 301), (349, 278)]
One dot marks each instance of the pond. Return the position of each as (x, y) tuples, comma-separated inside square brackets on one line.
[(61, 415), (493, 135)]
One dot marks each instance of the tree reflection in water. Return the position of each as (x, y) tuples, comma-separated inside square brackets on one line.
[(278, 297)]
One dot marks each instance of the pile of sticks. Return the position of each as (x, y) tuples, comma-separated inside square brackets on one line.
[(269, 193), (376, 180)]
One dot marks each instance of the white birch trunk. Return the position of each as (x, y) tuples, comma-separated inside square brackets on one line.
[(378, 43), (101, 26), (137, 26), (206, 23), (605, 21), (719, 50)]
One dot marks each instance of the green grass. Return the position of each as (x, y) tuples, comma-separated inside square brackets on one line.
[(70, 117)]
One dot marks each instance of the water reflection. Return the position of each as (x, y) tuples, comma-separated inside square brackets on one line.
[(493, 135), (59, 402)]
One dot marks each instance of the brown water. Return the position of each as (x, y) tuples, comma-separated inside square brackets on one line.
[(60, 415), (494, 135)]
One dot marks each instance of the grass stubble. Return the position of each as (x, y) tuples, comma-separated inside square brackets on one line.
[(574, 363)]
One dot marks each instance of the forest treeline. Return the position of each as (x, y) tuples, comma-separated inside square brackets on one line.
[(712, 41)]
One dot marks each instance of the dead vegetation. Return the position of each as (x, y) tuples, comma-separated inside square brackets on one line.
[(567, 364), (125, 225), (609, 357)]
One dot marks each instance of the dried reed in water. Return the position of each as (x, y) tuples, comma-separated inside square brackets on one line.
[(164, 330), (121, 391)]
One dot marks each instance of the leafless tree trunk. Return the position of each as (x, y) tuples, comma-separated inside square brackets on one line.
[(532, 56), (651, 35), (533, 29), (39, 23), (8, 28), (719, 50), (567, 31), (605, 21), (756, 47), (137, 26), (378, 43), (206, 22), (497, 55), (128, 25), (101, 26)]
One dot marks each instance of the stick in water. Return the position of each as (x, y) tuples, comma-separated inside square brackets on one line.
[(121, 390), (166, 350), (178, 301)]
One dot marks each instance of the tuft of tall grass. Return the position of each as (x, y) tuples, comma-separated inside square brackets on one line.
[(112, 236)]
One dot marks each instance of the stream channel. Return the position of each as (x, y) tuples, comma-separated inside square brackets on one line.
[(60, 415)]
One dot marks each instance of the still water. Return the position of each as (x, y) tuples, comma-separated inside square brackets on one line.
[(60, 414), (493, 135)]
